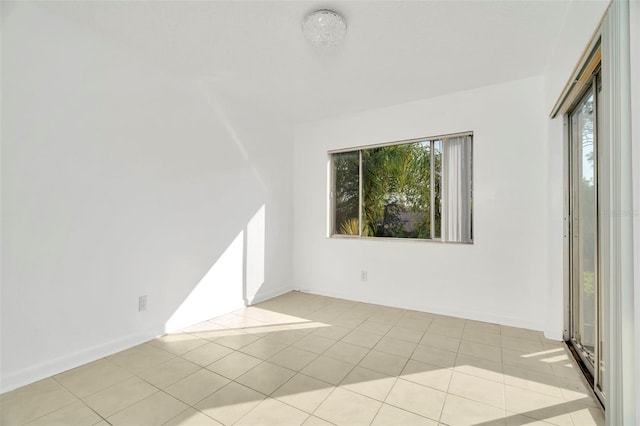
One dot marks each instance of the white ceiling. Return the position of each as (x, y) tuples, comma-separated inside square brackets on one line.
[(395, 51)]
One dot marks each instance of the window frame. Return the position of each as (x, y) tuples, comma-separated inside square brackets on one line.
[(332, 203)]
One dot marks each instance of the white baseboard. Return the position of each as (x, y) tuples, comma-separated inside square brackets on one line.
[(439, 310), (270, 295), (43, 370), (47, 369)]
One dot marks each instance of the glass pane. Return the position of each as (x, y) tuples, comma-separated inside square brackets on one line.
[(347, 189), (396, 191), (599, 292), (586, 226), (437, 189)]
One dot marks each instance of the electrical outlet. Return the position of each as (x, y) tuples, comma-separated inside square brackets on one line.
[(363, 275), (142, 303)]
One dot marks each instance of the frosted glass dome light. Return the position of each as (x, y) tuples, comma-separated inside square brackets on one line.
[(324, 28)]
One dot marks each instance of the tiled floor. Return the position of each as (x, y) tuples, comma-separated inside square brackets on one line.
[(302, 359)]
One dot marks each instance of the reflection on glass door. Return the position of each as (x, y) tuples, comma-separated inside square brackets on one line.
[(585, 287)]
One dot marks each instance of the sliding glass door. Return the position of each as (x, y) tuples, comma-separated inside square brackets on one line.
[(585, 292)]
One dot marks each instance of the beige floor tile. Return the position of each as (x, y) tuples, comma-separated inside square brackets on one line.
[(588, 416), (491, 339), (521, 333), (459, 411), (343, 407), (392, 416), (271, 412), (141, 357), (237, 321), (566, 369), (408, 321), (427, 375), (207, 353), (520, 420), (387, 314), (483, 327), (419, 315), (76, 414), (92, 377), (118, 397), (523, 360), (553, 416), (178, 344), (216, 333), (525, 401), (328, 369), (418, 399), (156, 409), (374, 327), (265, 377), (334, 332), (268, 316), (553, 344), (169, 372), (315, 344), (263, 348), (303, 392), (346, 352), (394, 346), (579, 394), (434, 356), (522, 345), (325, 361), (478, 367), (230, 403), (203, 326), (533, 381), (479, 350), (346, 322), (238, 341), (383, 362), (361, 338), (369, 383), (477, 389), (445, 330), (408, 334), (316, 421), (33, 401), (234, 365), (449, 321), (273, 331), (287, 337), (439, 341), (192, 417), (293, 358), (197, 386)]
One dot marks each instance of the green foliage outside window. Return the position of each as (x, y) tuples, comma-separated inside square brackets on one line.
[(396, 191)]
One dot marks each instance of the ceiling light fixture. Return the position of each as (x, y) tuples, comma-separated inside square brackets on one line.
[(324, 28)]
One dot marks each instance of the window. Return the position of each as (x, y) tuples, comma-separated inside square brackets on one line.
[(418, 189)]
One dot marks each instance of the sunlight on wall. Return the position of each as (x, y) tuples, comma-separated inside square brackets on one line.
[(255, 243), (232, 282), (219, 291)]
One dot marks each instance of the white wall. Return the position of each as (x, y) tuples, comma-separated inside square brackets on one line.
[(119, 180), (502, 276)]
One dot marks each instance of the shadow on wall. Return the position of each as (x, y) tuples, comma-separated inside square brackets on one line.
[(237, 275)]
